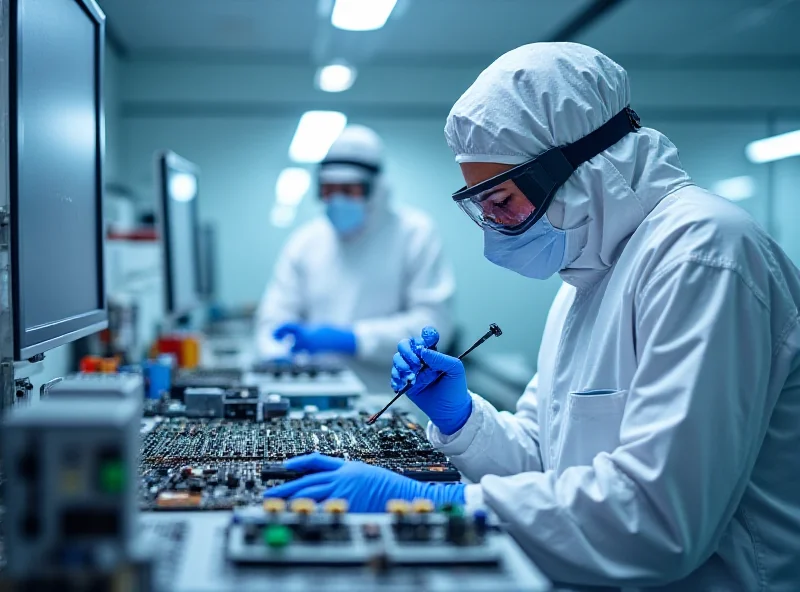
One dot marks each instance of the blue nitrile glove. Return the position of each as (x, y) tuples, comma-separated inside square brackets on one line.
[(366, 488), (445, 400), (316, 339)]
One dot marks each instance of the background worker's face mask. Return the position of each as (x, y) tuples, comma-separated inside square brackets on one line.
[(347, 215)]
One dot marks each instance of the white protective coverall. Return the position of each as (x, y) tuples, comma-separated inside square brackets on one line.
[(659, 443), (386, 283)]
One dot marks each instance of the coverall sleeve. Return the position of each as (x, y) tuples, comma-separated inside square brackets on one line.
[(429, 288), (653, 510), (495, 442), (283, 300)]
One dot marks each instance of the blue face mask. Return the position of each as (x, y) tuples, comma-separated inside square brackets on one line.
[(537, 253), (346, 215)]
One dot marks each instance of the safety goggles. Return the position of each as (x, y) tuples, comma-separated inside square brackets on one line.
[(343, 172), (513, 201)]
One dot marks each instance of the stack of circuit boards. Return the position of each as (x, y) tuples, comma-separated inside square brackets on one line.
[(191, 463)]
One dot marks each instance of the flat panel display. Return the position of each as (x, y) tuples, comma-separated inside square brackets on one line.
[(57, 148), (178, 181)]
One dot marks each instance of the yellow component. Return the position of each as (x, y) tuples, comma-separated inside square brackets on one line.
[(398, 507), (411, 426), (274, 505), (336, 506), (303, 506), (190, 352), (71, 481), (422, 506)]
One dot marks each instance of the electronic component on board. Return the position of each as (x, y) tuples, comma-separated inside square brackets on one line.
[(203, 378), (327, 386), (204, 402), (241, 403), (273, 405)]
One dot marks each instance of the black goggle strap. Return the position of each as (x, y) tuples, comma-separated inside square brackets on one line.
[(540, 177), (370, 168), (551, 169), (603, 138)]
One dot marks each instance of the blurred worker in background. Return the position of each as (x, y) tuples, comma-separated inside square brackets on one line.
[(360, 278), (658, 444)]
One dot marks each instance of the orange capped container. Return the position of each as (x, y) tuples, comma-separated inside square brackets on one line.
[(109, 365), (190, 352)]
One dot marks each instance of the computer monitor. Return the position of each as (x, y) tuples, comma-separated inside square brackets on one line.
[(179, 231), (208, 262), (56, 148)]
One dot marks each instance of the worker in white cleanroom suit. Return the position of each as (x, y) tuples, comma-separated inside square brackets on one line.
[(355, 281), (658, 444)]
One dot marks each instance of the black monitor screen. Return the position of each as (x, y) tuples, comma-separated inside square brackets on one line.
[(208, 262), (178, 220), (56, 181)]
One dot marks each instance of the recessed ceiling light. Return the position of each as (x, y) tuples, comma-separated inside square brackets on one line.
[(293, 183), (336, 77), (316, 131), (774, 148), (361, 15)]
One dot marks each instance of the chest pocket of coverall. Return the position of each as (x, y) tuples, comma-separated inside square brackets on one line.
[(592, 424)]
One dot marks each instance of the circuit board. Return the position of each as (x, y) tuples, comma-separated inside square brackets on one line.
[(434, 552), (219, 464), (311, 370)]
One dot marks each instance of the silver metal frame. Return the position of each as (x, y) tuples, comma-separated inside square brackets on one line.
[(6, 293)]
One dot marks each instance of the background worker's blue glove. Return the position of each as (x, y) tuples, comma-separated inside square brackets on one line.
[(366, 488), (317, 339), (445, 401)]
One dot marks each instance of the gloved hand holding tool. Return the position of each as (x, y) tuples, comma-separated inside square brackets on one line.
[(316, 339), (435, 382)]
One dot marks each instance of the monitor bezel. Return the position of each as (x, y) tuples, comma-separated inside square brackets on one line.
[(33, 341), (208, 262), (167, 160)]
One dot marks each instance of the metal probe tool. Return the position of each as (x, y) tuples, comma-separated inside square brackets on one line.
[(493, 330)]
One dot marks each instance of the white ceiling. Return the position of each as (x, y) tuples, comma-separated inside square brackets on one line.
[(686, 28), (474, 27), (454, 30), (286, 26)]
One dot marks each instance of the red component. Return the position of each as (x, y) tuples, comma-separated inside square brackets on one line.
[(185, 347), (90, 364), (171, 344)]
